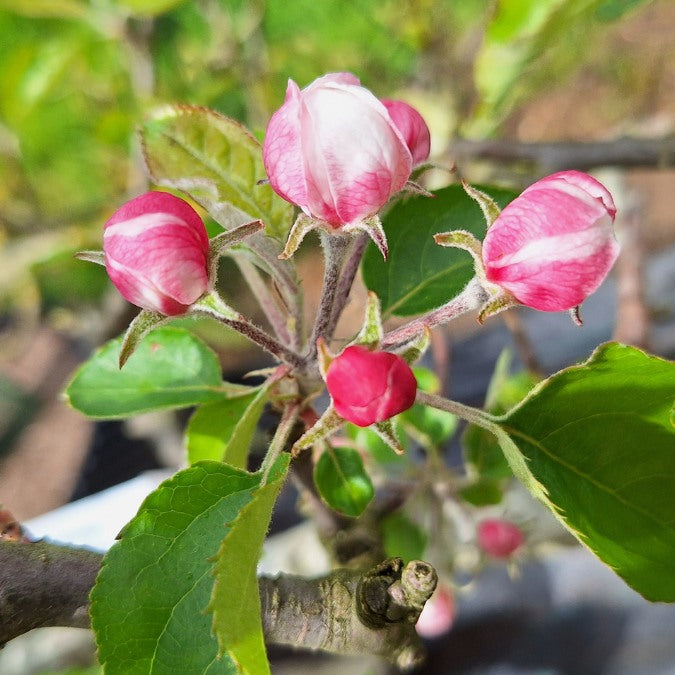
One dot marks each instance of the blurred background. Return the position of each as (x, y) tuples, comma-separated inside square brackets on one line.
[(511, 89)]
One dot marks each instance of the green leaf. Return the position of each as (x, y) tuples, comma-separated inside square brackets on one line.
[(216, 161), (235, 601), (597, 445), (420, 275), (223, 431), (342, 481), (402, 538), (483, 492), (148, 604), (171, 368)]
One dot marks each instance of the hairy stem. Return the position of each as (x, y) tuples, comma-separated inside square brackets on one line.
[(346, 280), (335, 248), (280, 441), (265, 299), (472, 297), (472, 415)]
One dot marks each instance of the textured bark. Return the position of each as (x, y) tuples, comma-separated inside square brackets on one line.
[(346, 612), (43, 584)]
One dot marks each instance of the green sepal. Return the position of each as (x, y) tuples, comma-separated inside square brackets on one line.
[(467, 242), (143, 323), (413, 350), (212, 304), (96, 257), (371, 332), (373, 228), (495, 305), (487, 205), (221, 242), (326, 425), (324, 356), (302, 226), (385, 430)]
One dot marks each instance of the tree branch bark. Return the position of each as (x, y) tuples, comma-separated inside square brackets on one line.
[(629, 152), (346, 612)]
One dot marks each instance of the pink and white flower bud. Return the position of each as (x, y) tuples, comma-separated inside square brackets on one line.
[(499, 538), (553, 245), (333, 150), (156, 253), (413, 128), (438, 614), (369, 387)]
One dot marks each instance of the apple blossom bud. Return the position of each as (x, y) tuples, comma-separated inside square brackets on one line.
[(438, 614), (156, 253), (552, 246), (499, 538), (369, 387), (333, 150), (413, 128)]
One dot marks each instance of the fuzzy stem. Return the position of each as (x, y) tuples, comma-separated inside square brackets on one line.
[(472, 297), (265, 299), (472, 415), (280, 439), (213, 307), (346, 281), (336, 247)]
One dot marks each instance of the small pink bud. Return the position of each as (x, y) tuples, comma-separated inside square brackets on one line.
[(552, 246), (499, 538), (369, 387), (333, 150), (412, 127), (156, 253), (438, 614)]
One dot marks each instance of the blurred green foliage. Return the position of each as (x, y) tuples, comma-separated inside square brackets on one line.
[(78, 76)]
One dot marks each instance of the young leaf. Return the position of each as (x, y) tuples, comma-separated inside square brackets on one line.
[(223, 431), (171, 368), (595, 441), (420, 275), (342, 481), (148, 604), (235, 601), (216, 161)]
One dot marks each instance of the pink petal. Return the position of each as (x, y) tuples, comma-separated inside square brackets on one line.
[(282, 150)]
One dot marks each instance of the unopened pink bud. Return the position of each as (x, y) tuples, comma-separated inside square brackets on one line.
[(499, 538), (369, 387), (156, 253), (333, 150), (413, 128), (552, 246), (438, 614)]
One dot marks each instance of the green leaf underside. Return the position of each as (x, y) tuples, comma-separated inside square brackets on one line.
[(148, 604), (215, 160), (343, 482), (170, 368), (223, 431), (235, 601), (420, 275), (598, 439)]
